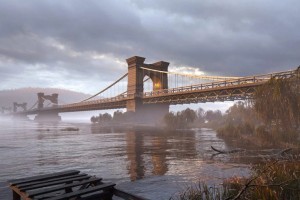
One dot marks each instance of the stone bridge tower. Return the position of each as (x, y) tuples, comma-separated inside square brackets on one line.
[(51, 115), (146, 113)]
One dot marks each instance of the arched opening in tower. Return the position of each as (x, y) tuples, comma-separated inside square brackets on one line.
[(148, 85)]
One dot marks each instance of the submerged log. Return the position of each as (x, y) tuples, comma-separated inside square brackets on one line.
[(283, 152), (228, 151)]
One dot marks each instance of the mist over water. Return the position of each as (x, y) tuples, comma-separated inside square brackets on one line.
[(152, 164)]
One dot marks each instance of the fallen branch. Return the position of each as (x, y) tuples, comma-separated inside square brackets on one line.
[(227, 152), (248, 184), (284, 151)]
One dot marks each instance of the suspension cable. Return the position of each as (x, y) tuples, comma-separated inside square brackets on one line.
[(33, 105), (105, 88), (127, 90)]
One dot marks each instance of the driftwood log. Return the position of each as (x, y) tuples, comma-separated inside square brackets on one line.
[(281, 153), (226, 151)]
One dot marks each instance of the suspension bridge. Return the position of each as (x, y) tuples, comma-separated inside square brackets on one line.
[(149, 89)]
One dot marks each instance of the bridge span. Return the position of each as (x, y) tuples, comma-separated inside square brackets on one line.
[(153, 105)]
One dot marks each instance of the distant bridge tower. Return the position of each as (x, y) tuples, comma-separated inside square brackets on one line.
[(50, 115), (4, 109), (22, 105), (42, 97), (19, 115), (146, 113)]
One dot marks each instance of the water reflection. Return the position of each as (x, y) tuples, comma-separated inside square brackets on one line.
[(149, 152), (159, 155), (135, 151)]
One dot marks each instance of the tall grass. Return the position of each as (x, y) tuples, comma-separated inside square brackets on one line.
[(274, 180), (202, 191)]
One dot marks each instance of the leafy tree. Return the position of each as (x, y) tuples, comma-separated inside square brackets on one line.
[(241, 112), (213, 115), (278, 103), (201, 115), (106, 117), (180, 119), (94, 119), (118, 116), (170, 120), (189, 116)]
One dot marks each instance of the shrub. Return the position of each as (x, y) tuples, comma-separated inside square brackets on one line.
[(271, 180)]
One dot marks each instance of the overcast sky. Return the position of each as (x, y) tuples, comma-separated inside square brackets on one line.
[(81, 45)]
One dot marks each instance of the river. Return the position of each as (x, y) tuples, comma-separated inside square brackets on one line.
[(152, 164)]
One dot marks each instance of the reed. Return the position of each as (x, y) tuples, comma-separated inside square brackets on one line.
[(275, 179)]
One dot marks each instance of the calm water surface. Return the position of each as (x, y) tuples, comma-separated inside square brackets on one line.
[(152, 164)]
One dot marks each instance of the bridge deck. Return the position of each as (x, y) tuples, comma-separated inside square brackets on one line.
[(227, 90)]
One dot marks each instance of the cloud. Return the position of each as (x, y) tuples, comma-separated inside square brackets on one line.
[(83, 45)]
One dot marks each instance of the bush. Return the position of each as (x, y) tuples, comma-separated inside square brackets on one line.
[(235, 131), (272, 180)]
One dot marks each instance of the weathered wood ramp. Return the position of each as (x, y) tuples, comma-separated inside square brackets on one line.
[(66, 185)]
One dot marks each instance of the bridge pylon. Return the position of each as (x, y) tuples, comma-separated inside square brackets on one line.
[(21, 105), (19, 115), (51, 115), (4, 109), (146, 113)]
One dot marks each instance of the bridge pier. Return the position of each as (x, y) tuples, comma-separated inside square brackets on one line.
[(152, 114), (51, 116), (146, 113)]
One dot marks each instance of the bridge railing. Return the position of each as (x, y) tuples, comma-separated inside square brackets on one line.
[(250, 80)]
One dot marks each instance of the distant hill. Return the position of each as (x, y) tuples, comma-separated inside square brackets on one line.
[(29, 95)]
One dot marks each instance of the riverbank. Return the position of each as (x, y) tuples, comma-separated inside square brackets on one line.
[(274, 179), (246, 135)]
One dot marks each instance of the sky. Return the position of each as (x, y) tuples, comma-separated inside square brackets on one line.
[(82, 45)]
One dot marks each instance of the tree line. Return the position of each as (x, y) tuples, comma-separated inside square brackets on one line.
[(117, 117)]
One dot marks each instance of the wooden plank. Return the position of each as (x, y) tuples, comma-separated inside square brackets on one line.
[(49, 180), (53, 189), (54, 183), (17, 194), (42, 177), (104, 195), (126, 195), (104, 186)]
